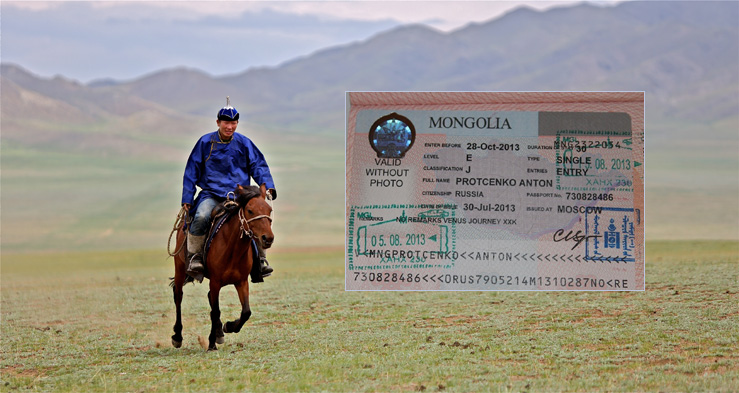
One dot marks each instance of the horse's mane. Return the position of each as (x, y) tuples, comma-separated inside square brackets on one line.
[(246, 193)]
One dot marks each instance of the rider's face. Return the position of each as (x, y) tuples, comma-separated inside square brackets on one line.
[(226, 128)]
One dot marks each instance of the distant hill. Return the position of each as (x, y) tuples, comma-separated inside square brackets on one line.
[(62, 114)]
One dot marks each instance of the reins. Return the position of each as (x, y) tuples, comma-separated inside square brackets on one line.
[(179, 222), (182, 219)]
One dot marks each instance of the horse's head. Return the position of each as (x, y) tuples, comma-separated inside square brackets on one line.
[(257, 213)]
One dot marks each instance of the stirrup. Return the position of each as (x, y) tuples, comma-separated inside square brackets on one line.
[(265, 268), (198, 270)]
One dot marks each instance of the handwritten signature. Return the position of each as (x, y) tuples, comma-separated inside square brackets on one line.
[(577, 237)]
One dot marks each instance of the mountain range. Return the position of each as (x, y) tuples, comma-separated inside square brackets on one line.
[(684, 55)]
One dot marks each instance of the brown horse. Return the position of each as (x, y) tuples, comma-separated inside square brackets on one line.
[(229, 261)]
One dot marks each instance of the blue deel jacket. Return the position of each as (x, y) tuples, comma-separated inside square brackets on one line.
[(218, 167)]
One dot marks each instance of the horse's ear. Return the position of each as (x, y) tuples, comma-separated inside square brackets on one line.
[(238, 186), (263, 190)]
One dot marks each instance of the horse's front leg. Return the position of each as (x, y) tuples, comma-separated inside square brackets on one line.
[(215, 315), (235, 326), (219, 328)]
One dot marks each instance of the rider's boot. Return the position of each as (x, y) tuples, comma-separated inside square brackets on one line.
[(195, 267), (263, 264)]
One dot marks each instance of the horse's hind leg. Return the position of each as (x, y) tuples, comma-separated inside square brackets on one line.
[(177, 284), (215, 314), (179, 281), (235, 326)]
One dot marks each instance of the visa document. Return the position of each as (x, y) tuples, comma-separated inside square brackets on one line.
[(495, 191)]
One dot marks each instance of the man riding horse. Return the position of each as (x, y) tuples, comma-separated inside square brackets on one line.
[(219, 162)]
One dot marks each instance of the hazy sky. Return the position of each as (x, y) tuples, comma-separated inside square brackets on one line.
[(124, 40)]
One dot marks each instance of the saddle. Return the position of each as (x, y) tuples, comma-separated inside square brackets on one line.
[(219, 216)]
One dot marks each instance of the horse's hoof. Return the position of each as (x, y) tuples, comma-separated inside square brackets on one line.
[(220, 340), (176, 344), (213, 348), (225, 328)]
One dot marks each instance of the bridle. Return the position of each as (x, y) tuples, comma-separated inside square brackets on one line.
[(245, 229)]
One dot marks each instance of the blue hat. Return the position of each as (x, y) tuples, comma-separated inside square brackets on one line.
[(228, 113)]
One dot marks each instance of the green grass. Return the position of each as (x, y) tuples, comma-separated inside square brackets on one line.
[(691, 173), (101, 321), (65, 199)]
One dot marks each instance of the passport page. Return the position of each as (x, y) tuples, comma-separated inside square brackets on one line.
[(495, 191)]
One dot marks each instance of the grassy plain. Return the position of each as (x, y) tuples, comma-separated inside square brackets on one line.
[(84, 309), (101, 321), (82, 198), (692, 178)]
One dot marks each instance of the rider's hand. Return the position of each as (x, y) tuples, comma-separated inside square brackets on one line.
[(186, 206)]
